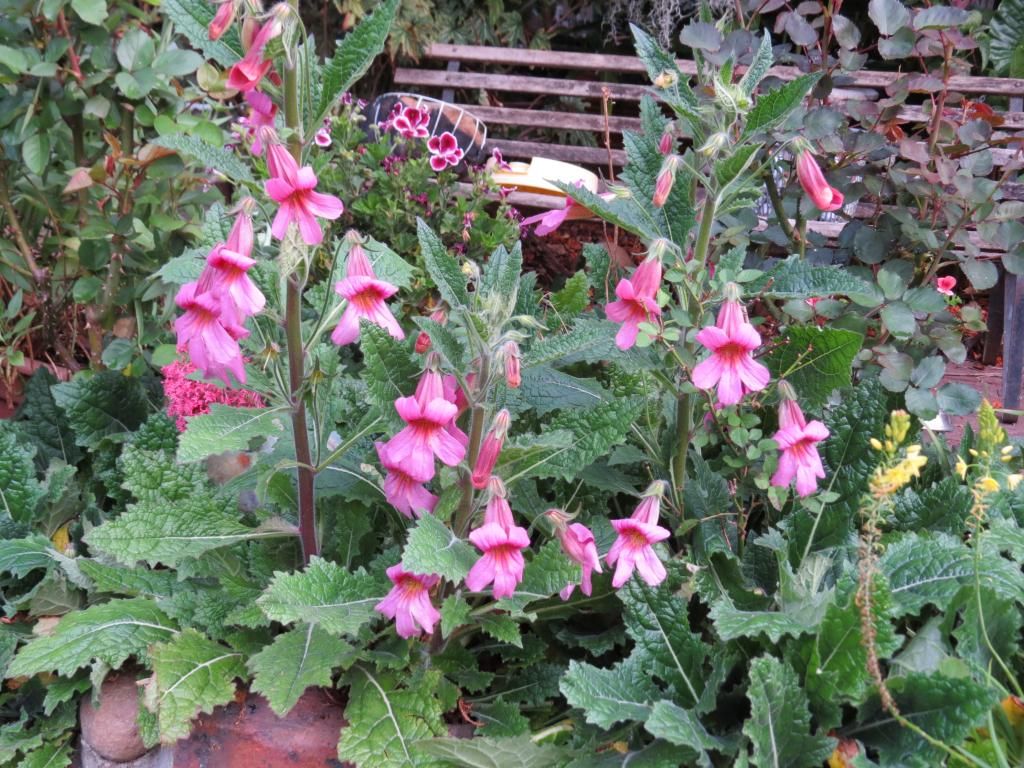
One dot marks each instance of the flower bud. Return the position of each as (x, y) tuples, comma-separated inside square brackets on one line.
[(665, 143), (824, 196), (490, 449), (666, 79), (249, 29), (222, 19), (513, 364), (715, 143), (666, 178), (439, 316)]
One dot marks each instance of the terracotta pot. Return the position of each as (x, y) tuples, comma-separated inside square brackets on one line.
[(111, 729)]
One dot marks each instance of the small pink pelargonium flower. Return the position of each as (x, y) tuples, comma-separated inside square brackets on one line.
[(293, 188), (403, 491), (366, 296), (731, 365), (444, 151), (945, 285), (633, 549), (209, 334), (824, 196), (228, 265), (247, 73), (262, 111), (222, 19), (579, 546), (637, 302), (408, 602), (426, 434), (411, 122), (322, 138), (490, 449), (798, 441), (502, 543)]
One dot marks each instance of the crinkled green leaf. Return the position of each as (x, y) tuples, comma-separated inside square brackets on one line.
[(20, 557), (1007, 35), (432, 548), (226, 428), (486, 752), (815, 361), (133, 582), (796, 278), (608, 696), (501, 275), (192, 19), (595, 432), (354, 54), (773, 107), (105, 404), (157, 476), (41, 421), (573, 297), (54, 754), (442, 267), (390, 370), (220, 159), (683, 728), (547, 573)]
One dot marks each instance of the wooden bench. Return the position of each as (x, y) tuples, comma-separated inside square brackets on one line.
[(607, 81)]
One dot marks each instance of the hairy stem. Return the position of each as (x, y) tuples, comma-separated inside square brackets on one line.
[(476, 432)]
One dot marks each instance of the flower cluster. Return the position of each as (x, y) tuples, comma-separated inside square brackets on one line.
[(187, 397)]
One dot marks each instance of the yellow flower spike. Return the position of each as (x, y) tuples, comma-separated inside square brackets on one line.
[(988, 484), (876, 443), (1012, 481), (961, 468), (1006, 450), (973, 452)]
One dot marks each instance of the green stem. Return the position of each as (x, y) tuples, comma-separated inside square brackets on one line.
[(476, 432), (296, 356), (780, 212)]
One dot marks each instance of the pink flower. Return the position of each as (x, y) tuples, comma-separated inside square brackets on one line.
[(292, 188), (408, 602), (403, 491), (426, 433), (633, 549), (797, 439), (945, 285), (227, 270), (366, 296), (262, 112), (490, 449), (665, 180), (501, 541), (444, 151), (513, 365), (499, 161), (222, 19), (578, 544), (247, 73), (322, 138), (209, 334), (551, 220), (824, 196), (730, 365), (665, 143), (412, 122), (636, 302), (186, 397)]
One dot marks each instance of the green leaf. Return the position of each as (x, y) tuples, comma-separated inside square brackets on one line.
[(296, 660), (501, 275), (502, 628), (780, 723), (433, 549), (191, 674), (222, 161), (107, 633), (454, 613), (391, 371), (90, 11), (762, 62), (573, 298), (594, 432), (683, 728), (527, 456), (544, 389), (943, 506), (1007, 38), (589, 340), (658, 61), (157, 475), (442, 267), (154, 532), (483, 752), (385, 720), (192, 19), (13, 59), (54, 754), (227, 428), (608, 696), (41, 421), (774, 107), (354, 54), (799, 279), (338, 600), (133, 582), (958, 399), (19, 557), (899, 320), (815, 361), (890, 16), (19, 489), (101, 406), (176, 62), (940, 17), (981, 274)]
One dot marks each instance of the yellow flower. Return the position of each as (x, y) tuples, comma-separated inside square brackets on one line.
[(961, 467), (1012, 481), (876, 443), (988, 484)]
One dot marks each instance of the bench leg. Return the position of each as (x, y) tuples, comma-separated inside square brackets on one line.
[(994, 337), (1013, 345)]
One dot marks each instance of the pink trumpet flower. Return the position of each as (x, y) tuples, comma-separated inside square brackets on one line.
[(262, 111), (513, 365), (247, 73), (403, 491), (293, 188), (633, 549), (578, 544), (222, 19), (228, 265), (502, 543), (731, 366), (209, 334), (366, 296), (490, 449), (552, 220), (665, 181), (426, 433), (824, 196), (798, 439), (408, 602), (636, 302)]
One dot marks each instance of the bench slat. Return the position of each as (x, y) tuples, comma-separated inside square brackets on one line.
[(599, 62), (537, 118), (596, 156)]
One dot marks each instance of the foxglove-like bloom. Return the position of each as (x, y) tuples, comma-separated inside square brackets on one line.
[(222, 19), (262, 111), (247, 73), (513, 364), (730, 366), (824, 196), (209, 334), (403, 491), (502, 543), (408, 602), (636, 302), (411, 122), (633, 548), (578, 544), (550, 221), (490, 449), (366, 296), (665, 180), (499, 161), (945, 285), (293, 189), (425, 435), (798, 441), (444, 151), (228, 265)]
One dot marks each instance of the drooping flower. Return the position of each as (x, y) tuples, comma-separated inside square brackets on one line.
[(293, 188), (403, 491), (490, 449), (366, 295), (247, 73), (426, 433), (665, 180), (824, 196), (945, 285), (578, 544), (499, 161), (501, 543), (444, 151), (262, 111), (222, 19), (798, 439), (408, 602), (551, 220), (411, 122), (228, 265), (513, 364), (187, 397), (731, 366), (636, 302), (209, 334), (633, 549)]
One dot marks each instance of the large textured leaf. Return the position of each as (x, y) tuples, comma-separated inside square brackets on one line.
[(546, 389), (103, 405), (484, 752), (683, 728), (226, 428), (1007, 33), (39, 419), (107, 633), (774, 107), (815, 361), (340, 601), (588, 340), (296, 660), (390, 370), (762, 62), (546, 574), (355, 53), (19, 489), (595, 432), (433, 548), (385, 720), (847, 452), (501, 275), (609, 696), (191, 674), (133, 582), (54, 754), (796, 278), (222, 161), (157, 476), (192, 18), (442, 267), (20, 557), (155, 533), (780, 723), (942, 506)]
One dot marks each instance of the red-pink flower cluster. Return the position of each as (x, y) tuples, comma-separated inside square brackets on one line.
[(187, 397), (410, 122), (408, 602), (798, 441), (634, 547), (637, 302)]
